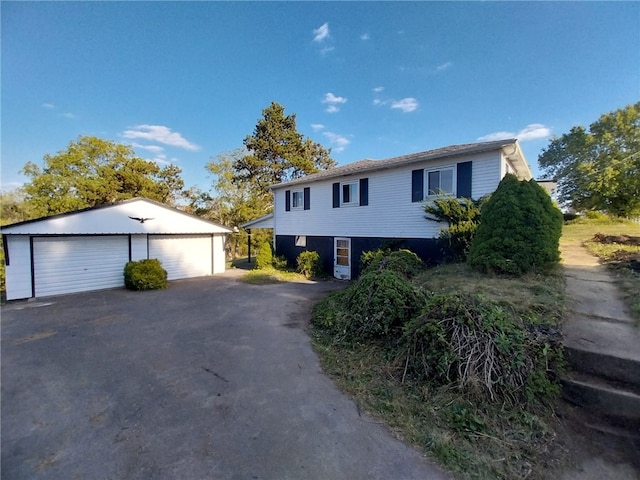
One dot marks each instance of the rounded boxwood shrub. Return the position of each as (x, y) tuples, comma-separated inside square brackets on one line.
[(309, 264), (519, 232), (264, 259), (145, 274)]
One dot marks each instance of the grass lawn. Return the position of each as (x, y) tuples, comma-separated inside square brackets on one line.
[(265, 275)]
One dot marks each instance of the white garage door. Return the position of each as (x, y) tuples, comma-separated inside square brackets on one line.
[(183, 256), (78, 264)]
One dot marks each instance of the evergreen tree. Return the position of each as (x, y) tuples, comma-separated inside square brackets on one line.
[(519, 231)]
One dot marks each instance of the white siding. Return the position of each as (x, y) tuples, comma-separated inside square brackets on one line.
[(390, 212), (78, 264), (219, 258), (486, 174), (183, 256), (18, 272), (138, 247)]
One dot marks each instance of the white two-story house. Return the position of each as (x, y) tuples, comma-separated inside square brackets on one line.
[(347, 210)]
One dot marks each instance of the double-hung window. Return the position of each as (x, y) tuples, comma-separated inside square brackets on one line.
[(440, 181), (297, 200), (349, 194)]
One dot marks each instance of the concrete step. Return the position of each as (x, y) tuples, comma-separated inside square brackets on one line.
[(616, 402), (607, 365)]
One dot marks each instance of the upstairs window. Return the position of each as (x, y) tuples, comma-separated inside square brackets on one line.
[(297, 200), (440, 181), (349, 194)]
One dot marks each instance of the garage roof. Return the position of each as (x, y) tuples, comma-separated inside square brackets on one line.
[(135, 216)]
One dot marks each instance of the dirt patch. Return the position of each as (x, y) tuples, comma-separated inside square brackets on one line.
[(619, 239)]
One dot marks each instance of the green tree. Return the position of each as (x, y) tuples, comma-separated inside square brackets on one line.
[(278, 153), (462, 216), (91, 172), (235, 202), (599, 168), (519, 232), (14, 207)]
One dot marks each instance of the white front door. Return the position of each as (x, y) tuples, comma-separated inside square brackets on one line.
[(342, 258)]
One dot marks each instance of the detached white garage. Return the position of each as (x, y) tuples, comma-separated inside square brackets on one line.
[(88, 249)]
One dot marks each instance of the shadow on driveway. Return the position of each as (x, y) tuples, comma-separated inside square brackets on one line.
[(212, 378)]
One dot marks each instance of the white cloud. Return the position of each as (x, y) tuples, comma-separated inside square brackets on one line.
[(378, 89), (157, 149), (407, 105), (338, 142), (533, 131), (160, 134), (444, 66), (365, 36), (333, 102), (321, 33), (68, 115), (317, 126), (48, 106)]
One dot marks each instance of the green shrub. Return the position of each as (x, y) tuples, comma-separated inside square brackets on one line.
[(485, 350), (379, 303), (309, 264), (595, 215), (329, 313), (264, 259), (462, 216), (280, 262), (372, 255), (520, 230), (145, 275), (404, 262)]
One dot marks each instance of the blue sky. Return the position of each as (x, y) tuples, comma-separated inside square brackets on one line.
[(183, 82)]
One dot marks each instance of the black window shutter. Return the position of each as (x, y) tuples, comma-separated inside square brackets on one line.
[(364, 191), (287, 201), (336, 195), (307, 198), (463, 182), (417, 185)]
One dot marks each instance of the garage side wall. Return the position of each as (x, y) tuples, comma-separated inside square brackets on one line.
[(18, 270), (219, 260)]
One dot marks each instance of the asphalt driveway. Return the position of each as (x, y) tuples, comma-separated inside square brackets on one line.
[(210, 379)]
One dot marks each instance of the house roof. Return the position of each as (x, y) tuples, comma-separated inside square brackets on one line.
[(364, 166), (262, 222), (118, 218)]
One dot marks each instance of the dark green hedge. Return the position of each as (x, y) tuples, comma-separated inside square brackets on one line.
[(145, 275)]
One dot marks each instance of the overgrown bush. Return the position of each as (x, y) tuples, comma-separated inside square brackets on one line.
[(404, 262), (372, 255), (264, 258), (329, 313), (520, 230), (145, 274), (462, 216), (309, 264), (379, 303), (483, 349)]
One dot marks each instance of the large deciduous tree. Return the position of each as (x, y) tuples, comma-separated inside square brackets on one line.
[(278, 153), (599, 168), (91, 172)]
